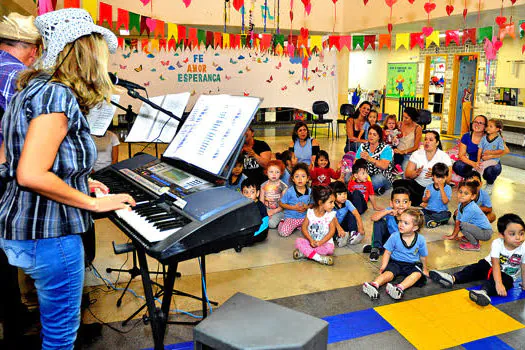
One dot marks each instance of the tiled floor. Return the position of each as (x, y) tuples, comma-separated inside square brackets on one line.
[(267, 271)]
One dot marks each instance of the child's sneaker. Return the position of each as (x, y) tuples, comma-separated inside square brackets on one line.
[(470, 247), (342, 241), (371, 290), (367, 248), (398, 170), (443, 278), (432, 224), (374, 254), (488, 188), (326, 260), (395, 291), (297, 254), (355, 237), (480, 297)]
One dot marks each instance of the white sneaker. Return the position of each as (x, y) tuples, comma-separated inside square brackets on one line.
[(488, 188), (342, 241), (442, 278), (326, 260), (355, 237), (370, 290), (394, 291), (297, 254), (480, 297)]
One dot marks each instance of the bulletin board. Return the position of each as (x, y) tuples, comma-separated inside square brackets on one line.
[(401, 80)]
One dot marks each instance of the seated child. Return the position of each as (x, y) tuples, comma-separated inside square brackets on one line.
[(490, 149), (405, 255), (289, 159), (436, 198), (349, 226), (250, 189), (360, 187), (483, 199), (318, 228), (272, 190), (385, 222), (470, 220), (321, 174), (295, 201), (237, 177), (499, 269)]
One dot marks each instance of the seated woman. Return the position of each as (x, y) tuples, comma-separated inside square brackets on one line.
[(379, 159), (468, 147), (418, 174), (257, 154), (410, 137), (304, 147), (355, 132)]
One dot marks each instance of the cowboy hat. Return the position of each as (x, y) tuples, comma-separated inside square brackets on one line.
[(59, 28), (19, 28)]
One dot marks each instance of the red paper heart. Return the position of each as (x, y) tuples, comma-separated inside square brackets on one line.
[(449, 9), (497, 45), (411, 1), (186, 2), (304, 32), (334, 1), (291, 15), (305, 2), (513, 1), (145, 2), (523, 49), (390, 28), (308, 8), (427, 30), (237, 4), (522, 26), (365, 1), (429, 7), (500, 20), (390, 3), (465, 13)]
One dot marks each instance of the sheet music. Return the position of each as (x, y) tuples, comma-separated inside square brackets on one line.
[(212, 130), (101, 116), (149, 122)]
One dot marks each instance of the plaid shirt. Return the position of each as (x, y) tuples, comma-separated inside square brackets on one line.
[(10, 66), (24, 214)]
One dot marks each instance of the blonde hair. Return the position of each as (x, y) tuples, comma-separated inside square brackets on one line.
[(389, 117), (417, 217), (82, 66)]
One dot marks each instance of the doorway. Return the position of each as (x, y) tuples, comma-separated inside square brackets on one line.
[(434, 88), (463, 93)]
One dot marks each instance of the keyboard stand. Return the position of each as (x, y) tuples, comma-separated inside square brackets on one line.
[(159, 317)]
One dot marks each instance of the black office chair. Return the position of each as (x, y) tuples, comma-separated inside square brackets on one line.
[(425, 118), (320, 108), (346, 110)]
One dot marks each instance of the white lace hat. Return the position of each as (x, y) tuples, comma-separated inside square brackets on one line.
[(59, 28), (19, 28)]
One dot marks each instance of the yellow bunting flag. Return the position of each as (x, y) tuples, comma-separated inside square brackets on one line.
[(279, 50), (402, 40), (433, 38), (154, 44), (225, 40), (316, 41), (172, 31), (91, 6)]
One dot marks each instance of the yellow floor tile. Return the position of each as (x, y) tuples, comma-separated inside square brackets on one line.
[(446, 320)]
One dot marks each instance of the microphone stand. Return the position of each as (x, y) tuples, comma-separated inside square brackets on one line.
[(130, 118)]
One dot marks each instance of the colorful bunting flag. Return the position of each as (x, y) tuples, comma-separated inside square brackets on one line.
[(217, 39), (71, 4), (193, 41), (433, 38), (278, 39), (469, 34), (162, 44), (225, 41), (358, 40), (521, 27), (172, 31), (451, 35), (144, 43), (122, 19), (105, 14), (120, 42), (402, 39), (346, 41), (181, 30), (134, 21), (333, 40), (172, 43), (266, 42), (370, 40), (159, 29), (91, 7), (485, 32), (154, 45), (316, 42), (385, 40), (507, 29), (416, 39)]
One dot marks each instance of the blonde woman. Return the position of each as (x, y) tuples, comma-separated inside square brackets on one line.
[(48, 154)]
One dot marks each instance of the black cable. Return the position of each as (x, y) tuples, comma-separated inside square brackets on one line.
[(108, 325)]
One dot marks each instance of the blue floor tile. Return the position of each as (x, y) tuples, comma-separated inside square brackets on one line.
[(355, 324), (486, 344)]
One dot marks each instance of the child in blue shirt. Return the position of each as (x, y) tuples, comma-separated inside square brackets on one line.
[(385, 222), (289, 160), (470, 220), (350, 229), (436, 198), (295, 201), (483, 200), (237, 177), (405, 255), (250, 189), (490, 149)]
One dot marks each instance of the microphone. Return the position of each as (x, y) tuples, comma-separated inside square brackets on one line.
[(124, 83)]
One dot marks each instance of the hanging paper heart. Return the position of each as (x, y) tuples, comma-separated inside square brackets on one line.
[(411, 1), (237, 4), (497, 45), (305, 2), (390, 3), (308, 8), (429, 7), (145, 2), (390, 28), (151, 23), (427, 30), (449, 9), (365, 1), (186, 2), (291, 49), (291, 15), (500, 20), (304, 32), (465, 14), (334, 1), (522, 26), (523, 49), (513, 1)]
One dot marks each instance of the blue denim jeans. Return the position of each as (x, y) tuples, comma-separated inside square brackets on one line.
[(379, 180), (57, 266), (491, 173)]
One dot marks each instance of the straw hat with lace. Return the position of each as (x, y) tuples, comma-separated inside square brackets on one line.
[(19, 28), (59, 28)]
